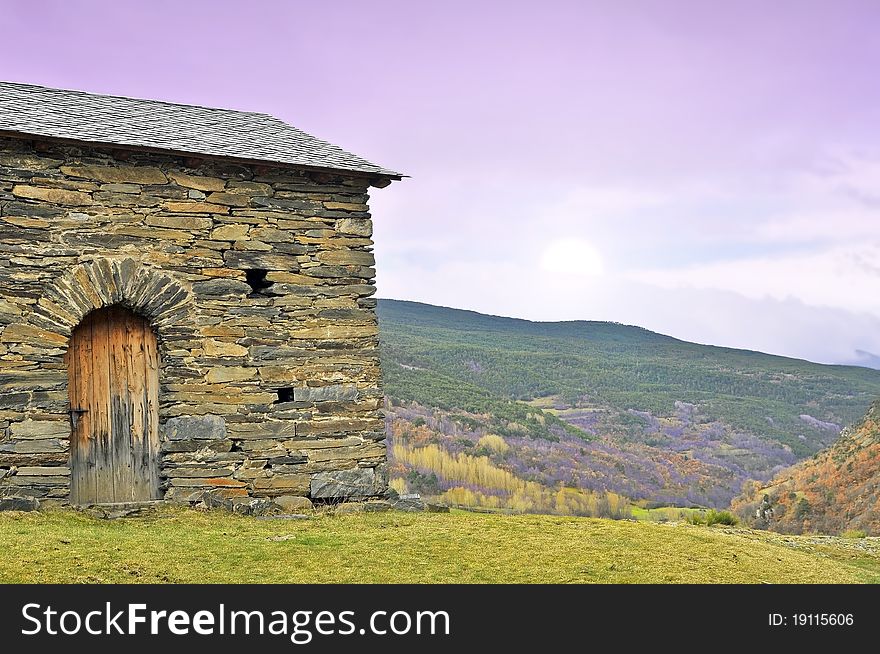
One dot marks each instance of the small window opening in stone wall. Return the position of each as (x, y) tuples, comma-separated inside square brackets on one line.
[(256, 279), (284, 395)]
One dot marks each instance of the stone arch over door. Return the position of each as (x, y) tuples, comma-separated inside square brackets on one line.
[(163, 300), (113, 386)]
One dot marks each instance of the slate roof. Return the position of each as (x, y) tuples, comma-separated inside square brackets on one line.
[(156, 125)]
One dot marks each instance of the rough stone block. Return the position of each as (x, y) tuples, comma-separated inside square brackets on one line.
[(58, 471), (338, 426), (244, 260), (367, 450), (215, 348), (332, 331), (197, 182), (346, 257), (16, 503), (199, 428), (255, 506), (36, 480), (180, 222), (221, 288), (296, 484), (206, 472), (248, 188), (229, 199), (195, 207), (52, 195), (346, 206), (223, 374), (36, 446), (230, 232), (321, 443), (355, 226), (117, 174), (358, 482), (39, 429), (331, 393), (265, 429)]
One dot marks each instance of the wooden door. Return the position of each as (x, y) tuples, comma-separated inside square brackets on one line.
[(113, 381)]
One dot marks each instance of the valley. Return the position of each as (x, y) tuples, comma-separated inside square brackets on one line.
[(584, 416)]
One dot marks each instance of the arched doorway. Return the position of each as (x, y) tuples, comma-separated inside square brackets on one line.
[(113, 385)]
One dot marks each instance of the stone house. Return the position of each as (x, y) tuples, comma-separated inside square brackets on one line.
[(186, 305)]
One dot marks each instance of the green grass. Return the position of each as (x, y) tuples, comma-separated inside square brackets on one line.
[(665, 513), (177, 545)]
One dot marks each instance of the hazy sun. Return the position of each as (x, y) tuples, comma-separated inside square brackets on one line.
[(572, 256)]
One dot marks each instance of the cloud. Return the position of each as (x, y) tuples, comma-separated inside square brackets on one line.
[(572, 256), (835, 224), (844, 277), (835, 201)]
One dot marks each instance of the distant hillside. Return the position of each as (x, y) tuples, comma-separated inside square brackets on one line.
[(606, 407), (835, 491), (865, 359)]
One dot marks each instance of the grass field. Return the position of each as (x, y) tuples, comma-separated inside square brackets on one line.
[(664, 513), (177, 545)]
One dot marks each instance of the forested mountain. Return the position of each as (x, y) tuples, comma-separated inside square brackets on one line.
[(600, 407), (836, 490)]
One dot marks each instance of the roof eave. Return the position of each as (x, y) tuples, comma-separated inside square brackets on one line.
[(378, 179)]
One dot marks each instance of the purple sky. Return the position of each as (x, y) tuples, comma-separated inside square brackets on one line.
[(710, 170)]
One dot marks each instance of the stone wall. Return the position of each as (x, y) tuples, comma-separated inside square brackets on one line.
[(269, 380)]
